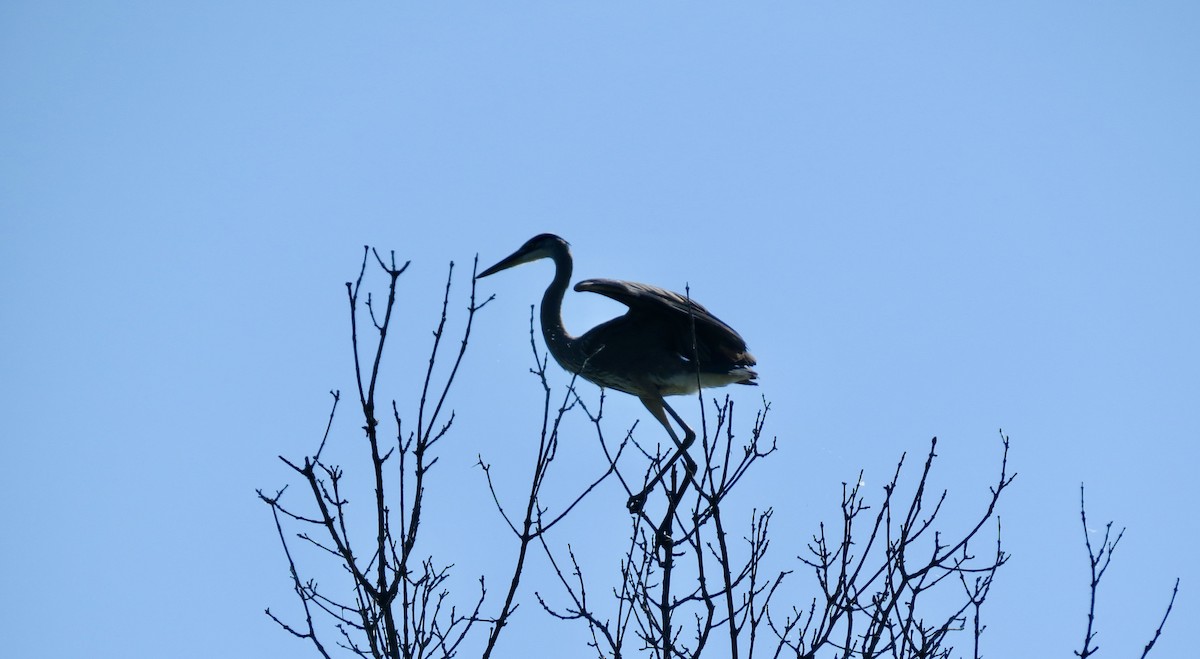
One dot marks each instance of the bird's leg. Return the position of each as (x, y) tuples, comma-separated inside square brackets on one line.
[(689, 437), (658, 408)]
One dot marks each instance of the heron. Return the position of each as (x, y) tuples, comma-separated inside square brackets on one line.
[(665, 344)]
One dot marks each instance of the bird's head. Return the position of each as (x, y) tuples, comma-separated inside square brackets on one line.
[(543, 246)]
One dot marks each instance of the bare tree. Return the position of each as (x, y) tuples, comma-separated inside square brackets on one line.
[(891, 577), (400, 606), (681, 584), (876, 579), (1098, 561)]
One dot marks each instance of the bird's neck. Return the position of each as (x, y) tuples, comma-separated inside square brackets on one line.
[(553, 331)]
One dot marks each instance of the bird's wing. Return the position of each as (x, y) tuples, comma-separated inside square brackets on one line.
[(663, 304)]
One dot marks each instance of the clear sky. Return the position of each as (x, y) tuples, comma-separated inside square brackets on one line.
[(926, 219)]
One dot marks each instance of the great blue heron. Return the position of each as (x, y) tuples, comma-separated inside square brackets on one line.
[(665, 345)]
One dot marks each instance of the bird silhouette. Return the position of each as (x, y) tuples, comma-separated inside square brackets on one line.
[(665, 345)]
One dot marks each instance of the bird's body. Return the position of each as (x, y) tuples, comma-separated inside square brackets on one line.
[(664, 345), (650, 350)]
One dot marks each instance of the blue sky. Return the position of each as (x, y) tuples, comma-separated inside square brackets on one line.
[(926, 219)]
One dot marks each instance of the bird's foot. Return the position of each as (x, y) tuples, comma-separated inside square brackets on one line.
[(663, 538), (636, 503), (689, 466)]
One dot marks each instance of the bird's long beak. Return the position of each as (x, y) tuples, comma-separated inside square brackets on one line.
[(516, 258)]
